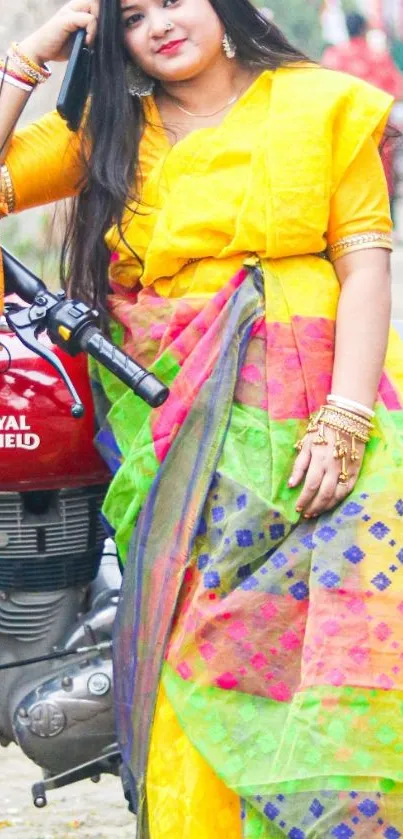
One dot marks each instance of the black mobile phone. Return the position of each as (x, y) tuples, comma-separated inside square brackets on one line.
[(76, 83)]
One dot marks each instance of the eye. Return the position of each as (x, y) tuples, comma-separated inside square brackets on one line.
[(168, 3), (132, 20)]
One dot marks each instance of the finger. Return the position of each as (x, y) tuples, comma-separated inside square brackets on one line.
[(300, 466), (79, 6), (91, 32), (78, 20), (326, 496), (95, 12), (342, 491), (313, 480)]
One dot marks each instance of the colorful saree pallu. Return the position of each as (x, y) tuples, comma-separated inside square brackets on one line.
[(259, 657)]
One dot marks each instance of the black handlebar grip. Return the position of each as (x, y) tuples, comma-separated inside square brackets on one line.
[(19, 279), (143, 383)]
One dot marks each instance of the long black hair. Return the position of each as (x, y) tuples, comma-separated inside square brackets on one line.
[(112, 133)]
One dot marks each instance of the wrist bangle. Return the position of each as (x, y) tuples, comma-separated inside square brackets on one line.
[(356, 407), (16, 74), (34, 71), (343, 422), (41, 69), (28, 88), (6, 188)]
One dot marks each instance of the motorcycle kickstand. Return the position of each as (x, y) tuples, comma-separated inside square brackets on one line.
[(108, 764)]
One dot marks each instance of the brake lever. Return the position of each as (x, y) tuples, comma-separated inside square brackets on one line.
[(28, 322)]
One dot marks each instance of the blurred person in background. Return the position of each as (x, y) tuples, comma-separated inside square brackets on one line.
[(369, 59), (362, 58)]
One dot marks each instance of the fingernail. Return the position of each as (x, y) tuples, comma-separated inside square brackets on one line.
[(299, 509), (306, 516), (291, 482)]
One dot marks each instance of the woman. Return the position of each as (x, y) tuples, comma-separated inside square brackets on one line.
[(236, 193)]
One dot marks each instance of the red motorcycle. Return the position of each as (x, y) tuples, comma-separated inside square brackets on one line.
[(59, 578)]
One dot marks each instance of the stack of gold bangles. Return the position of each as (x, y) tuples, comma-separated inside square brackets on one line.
[(7, 197), (20, 71), (351, 423)]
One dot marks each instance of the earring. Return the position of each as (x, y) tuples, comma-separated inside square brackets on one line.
[(228, 46), (138, 83)]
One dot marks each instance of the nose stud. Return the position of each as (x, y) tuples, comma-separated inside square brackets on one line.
[(169, 26)]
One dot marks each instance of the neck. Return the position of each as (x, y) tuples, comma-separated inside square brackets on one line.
[(212, 87)]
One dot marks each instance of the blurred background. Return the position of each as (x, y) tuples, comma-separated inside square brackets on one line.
[(312, 24), (31, 235)]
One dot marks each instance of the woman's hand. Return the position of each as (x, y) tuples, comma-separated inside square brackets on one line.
[(322, 490), (52, 41)]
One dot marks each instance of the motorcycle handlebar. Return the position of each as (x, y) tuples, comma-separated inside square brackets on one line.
[(19, 279), (71, 326), (143, 383)]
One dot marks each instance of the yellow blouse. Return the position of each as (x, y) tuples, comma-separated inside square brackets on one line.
[(293, 169)]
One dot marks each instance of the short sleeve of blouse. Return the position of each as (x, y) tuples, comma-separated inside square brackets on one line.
[(43, 164), (360, 209)]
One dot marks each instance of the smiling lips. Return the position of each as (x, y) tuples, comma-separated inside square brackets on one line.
[(173, 46)]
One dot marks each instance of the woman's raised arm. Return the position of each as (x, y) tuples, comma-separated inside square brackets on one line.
[(22, 69)]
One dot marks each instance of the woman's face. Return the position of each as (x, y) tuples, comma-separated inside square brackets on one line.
[(172, 40)]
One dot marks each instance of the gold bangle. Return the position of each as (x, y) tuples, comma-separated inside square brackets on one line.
[(318, 423), (347, 412), (17, 74), (349, 424), (7, 189), (41, 69), (351, 431), (341, 421), (34, 71)]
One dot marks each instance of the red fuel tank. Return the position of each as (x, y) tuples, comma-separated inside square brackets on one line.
[(41, 445)]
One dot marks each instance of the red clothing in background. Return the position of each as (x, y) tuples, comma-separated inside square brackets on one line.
[(358, 58)]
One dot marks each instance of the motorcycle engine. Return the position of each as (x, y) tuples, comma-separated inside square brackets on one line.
[(55, 593)]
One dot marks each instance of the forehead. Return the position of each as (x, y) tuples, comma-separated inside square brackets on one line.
[(129, 5)]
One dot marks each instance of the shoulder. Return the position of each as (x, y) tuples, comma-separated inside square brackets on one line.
[(329, 112), (325, 86), (320, 96)]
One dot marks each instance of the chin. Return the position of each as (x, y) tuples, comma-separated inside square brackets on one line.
[(182, 75), (178, 69)]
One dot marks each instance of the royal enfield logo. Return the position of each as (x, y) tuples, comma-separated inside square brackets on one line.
[(46, 719), (15, 433)]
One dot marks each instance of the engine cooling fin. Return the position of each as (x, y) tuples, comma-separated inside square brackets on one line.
[(50, 541)]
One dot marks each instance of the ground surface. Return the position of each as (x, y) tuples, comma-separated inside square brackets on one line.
[(81, 811)]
